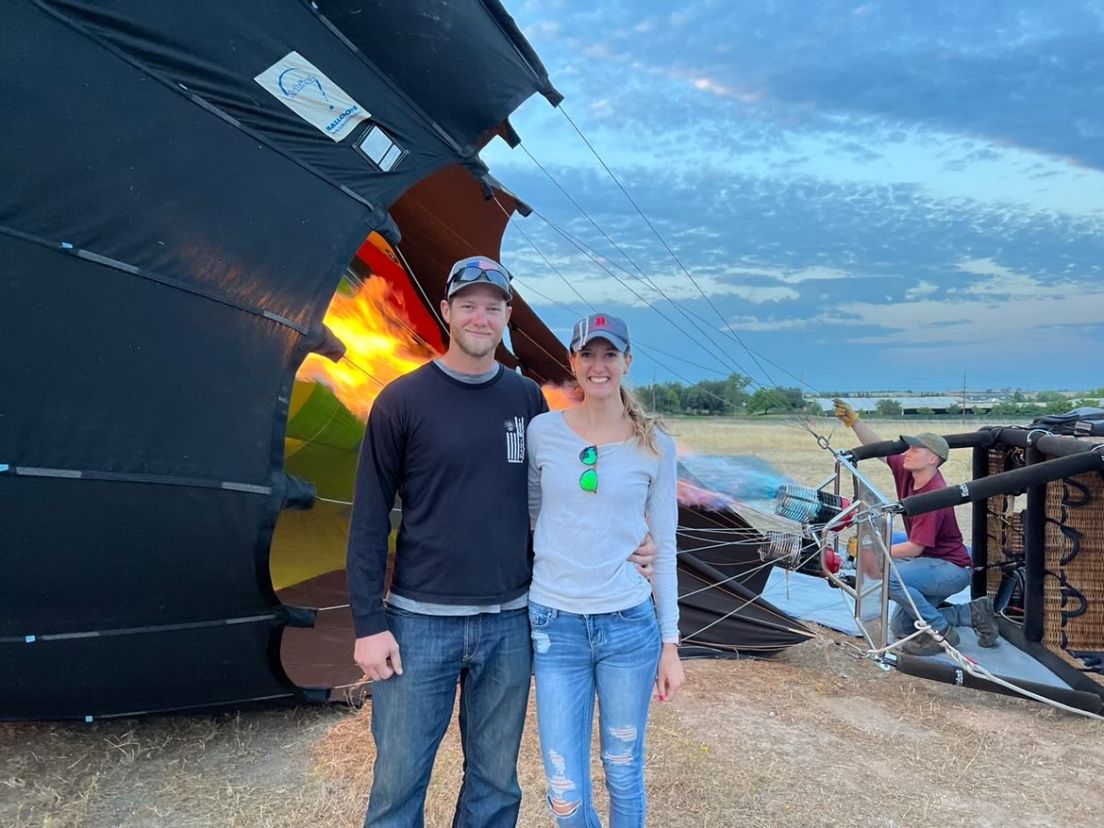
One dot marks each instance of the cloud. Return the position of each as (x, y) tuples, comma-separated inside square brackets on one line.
[(1000, 281), (709, 85), (985, 267), (1015, 321), (676, 20), (637, 292), (1010, 74), (812, 272), (755, 294), (871, 182), (920, 290), (542, 29), (752, 323)]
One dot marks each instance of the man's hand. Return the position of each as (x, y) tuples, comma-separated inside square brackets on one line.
[(378, 656), (644, 557), (845, 413)]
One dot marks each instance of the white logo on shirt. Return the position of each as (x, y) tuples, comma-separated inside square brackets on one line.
[(515, 440)]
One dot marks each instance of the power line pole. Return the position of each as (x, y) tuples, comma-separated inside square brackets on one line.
[(964, 398)]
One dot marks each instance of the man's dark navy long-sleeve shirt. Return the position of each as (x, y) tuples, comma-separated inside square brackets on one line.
[(454, 453)]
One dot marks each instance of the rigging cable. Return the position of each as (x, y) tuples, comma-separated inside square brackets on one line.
[(802, 423), (651, 226)]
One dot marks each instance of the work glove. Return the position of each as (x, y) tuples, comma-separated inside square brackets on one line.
[(845, 413)]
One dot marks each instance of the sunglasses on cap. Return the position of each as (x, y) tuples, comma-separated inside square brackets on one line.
[(470, 271)]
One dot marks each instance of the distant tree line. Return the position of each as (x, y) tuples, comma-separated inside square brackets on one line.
[(735, 395), (722, 397)]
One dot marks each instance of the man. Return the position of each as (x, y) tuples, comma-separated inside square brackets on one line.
[(449, 438), (933, 563)]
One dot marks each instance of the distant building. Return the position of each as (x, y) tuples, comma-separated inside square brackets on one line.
[(911, 406)]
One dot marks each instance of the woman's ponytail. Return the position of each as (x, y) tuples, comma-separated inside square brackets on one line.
[(644, 424)]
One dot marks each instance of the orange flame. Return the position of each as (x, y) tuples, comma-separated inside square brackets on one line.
[(562, 396), (381, 345)]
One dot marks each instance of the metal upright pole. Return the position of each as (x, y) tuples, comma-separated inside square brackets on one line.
[(887, 539), (979, 583), (1034, 548)]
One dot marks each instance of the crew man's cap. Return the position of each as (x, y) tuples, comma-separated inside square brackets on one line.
[(600, 326), (475, 269), (932, 442)]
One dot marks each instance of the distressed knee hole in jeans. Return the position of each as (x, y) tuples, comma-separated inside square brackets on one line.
[(625, 734), (563, 808), (618, 758), (558, 785)]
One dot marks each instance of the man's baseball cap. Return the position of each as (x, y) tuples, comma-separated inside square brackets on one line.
[(932, 442), (476, 269), (600, 326)]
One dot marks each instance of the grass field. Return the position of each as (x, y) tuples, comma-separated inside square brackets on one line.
[(814, 737)]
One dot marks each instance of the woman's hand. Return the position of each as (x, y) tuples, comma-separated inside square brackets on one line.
[(669, 676)]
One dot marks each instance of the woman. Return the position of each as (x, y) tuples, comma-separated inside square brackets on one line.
[(601, 476)]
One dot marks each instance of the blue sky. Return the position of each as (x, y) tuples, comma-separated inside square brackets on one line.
[(869, 195)]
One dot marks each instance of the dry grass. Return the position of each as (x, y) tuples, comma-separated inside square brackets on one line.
[(247, 769), (812, 738), (794, 451)]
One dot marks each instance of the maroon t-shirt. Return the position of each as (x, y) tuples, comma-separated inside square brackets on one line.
[(936, 531)]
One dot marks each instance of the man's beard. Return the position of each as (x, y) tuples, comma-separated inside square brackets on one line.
[(477, 349)]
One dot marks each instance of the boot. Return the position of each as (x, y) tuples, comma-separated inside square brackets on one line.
[(926, 645), (983, 618)]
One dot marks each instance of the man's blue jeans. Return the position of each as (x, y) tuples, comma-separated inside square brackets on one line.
[(613, 655), (929, 581), (490, 656)]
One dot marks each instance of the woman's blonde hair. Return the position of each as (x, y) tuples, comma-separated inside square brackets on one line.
[(644, 424)]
